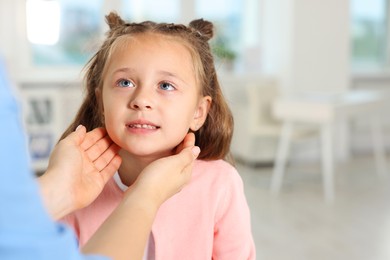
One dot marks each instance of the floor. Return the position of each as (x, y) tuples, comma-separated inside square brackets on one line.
[(298, 224)]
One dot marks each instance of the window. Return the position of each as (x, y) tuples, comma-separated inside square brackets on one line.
[(237, 43), (39, 31), (370, 33), (78, 26), (75, 29)]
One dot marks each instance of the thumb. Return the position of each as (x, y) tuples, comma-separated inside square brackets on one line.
[(195, 151), (189, 153), (187, 156), (188, 141)]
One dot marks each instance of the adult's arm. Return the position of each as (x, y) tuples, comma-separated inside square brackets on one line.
[(26, 230)]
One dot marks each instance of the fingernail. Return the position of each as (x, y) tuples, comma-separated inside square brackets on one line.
[(78, 127), (195, 151)]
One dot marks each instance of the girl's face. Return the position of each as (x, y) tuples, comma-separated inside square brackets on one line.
[(150, 96)]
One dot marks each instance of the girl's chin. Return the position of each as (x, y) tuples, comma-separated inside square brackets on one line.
[(143, 154)]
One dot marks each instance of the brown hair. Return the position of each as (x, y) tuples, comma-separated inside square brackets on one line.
[(214, 137)]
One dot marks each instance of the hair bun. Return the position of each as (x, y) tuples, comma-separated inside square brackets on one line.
[(114, 20), (205, 28)]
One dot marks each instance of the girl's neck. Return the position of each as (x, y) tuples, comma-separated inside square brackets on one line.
[(132, 166)]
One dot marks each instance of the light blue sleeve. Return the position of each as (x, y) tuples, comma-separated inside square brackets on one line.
[(26, 230)]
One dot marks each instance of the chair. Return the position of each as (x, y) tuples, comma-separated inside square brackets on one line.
[(260, 122)]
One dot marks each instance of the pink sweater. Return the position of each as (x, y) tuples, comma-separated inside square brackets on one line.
[(208, 219)]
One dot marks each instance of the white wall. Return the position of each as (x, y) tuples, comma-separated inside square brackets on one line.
[(306, 44)]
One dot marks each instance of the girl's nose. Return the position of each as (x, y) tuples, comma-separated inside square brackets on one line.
[(141, 100)]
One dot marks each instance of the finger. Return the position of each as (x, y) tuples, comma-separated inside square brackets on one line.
[(98, 148), (92, 137), (111, 168), (77, 136), (106, 157)]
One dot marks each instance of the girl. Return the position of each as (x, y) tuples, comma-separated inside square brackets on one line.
[(149, 85)]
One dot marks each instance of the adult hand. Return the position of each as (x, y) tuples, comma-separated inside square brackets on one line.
[(166, 176), (79, 167)]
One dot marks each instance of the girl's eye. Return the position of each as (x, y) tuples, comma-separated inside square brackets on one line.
[(166, 86), (125, 83)]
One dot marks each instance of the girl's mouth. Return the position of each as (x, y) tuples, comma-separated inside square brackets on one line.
[(143, 126)]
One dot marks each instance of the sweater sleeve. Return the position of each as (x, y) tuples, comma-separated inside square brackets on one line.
[(232, 233)]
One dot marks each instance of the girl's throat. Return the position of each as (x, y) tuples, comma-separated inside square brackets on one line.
[(132, 165)]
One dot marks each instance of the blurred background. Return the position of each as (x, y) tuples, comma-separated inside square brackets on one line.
[(264, 50)]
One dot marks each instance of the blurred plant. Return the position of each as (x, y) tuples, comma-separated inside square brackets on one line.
[(222, 51)]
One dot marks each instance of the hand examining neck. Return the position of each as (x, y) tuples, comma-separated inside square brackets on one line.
[(79, 167), (132, 165), (129, 225)]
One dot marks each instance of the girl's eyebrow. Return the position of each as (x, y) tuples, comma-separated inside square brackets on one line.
[(170, 74), (160, 72), (125, 69)]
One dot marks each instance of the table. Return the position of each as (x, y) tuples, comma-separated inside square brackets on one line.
[(324, 111)]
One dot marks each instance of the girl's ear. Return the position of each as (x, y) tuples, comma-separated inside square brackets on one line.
[(201, 113)]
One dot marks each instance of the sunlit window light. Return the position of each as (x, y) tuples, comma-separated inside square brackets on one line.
[(43, 21)]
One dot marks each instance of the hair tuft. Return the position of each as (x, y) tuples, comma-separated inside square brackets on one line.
[(205, 28), (114, 20)]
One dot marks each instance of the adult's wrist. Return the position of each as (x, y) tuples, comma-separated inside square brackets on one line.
[(142, 200), (58, 202)]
